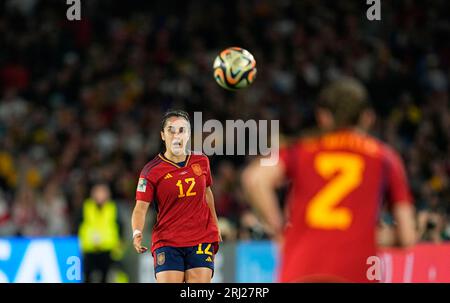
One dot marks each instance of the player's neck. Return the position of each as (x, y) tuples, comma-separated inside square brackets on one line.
[(175, 158), (354, 129)]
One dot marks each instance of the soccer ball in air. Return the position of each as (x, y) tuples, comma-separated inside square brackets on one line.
[(234, 68)]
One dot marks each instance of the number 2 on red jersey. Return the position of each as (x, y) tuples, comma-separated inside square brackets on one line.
[(344, 172)]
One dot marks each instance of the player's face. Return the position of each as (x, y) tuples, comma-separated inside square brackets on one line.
[(176, 135)]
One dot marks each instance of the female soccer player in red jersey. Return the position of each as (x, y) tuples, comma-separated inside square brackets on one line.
[(185, 237)]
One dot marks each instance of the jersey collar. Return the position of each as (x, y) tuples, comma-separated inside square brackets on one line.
[(173, 163)]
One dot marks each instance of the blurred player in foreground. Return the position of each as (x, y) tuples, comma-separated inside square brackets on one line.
[(339, 177), (185, 237)]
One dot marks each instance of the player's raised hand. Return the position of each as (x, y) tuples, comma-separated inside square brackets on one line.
[(137, 240)]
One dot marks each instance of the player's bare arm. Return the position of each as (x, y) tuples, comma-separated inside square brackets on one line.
[(260, 184), (210, 201), (406, 226), (402, 209), (138, 223)]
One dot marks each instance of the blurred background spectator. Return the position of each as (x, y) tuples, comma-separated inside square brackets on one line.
[(100, 230)]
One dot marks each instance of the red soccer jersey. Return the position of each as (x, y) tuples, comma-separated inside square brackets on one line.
[(338, 184), (183, 215)]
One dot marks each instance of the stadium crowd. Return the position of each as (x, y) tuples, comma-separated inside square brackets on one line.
[(81, 101)]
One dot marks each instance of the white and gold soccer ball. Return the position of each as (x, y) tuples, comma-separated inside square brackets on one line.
[(234, 68)]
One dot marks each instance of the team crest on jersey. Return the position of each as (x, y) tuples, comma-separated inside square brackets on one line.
[(142, 185), (161, 258), (197, 169)]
